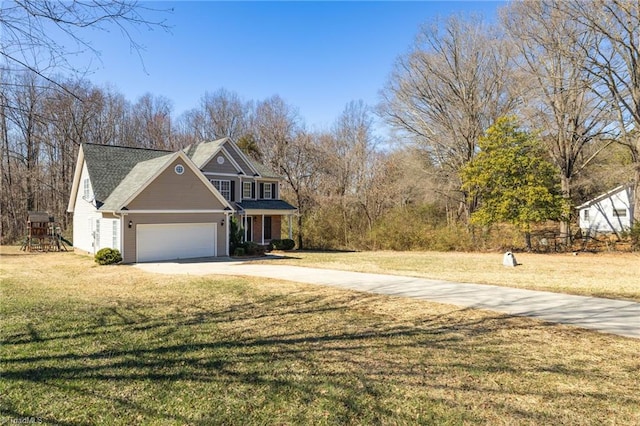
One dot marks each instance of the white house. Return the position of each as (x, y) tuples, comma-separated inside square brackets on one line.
[(611, 212)]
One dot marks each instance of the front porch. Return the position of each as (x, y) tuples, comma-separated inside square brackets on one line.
[(262, 221)]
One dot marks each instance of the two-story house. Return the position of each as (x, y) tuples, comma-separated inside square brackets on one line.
[(160, 205)]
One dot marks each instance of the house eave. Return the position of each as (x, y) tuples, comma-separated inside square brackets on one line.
[(603, 196), (176, 211), (267, 212)]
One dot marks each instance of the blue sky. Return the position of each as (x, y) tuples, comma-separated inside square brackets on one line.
[(317, 56)]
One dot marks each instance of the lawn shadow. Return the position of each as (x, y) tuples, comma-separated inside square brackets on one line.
[(305, 347)]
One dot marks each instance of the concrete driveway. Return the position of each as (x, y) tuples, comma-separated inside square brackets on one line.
[(605, 315)]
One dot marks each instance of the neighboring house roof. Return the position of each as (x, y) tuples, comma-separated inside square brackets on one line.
[(108, 165), (604, 196)]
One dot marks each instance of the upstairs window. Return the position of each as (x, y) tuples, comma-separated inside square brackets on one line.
[(267, 191), (247, 190), (86, 189), (224, 187), (585, 214)]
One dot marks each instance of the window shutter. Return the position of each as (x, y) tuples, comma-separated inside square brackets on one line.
[(253, 190), (273, 191), (262, 191), (233, 191)]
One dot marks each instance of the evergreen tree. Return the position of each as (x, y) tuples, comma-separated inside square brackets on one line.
[(512, 179)]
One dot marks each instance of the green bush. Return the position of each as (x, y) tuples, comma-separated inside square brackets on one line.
[(239, 251), (108, 256), (236, 233), (634, 235), (285, 244), (253, 249)]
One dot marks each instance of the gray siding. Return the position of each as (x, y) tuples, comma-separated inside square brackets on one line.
[(238, 159), (226, 167)]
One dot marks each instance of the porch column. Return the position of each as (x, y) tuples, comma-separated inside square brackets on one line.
[(226, 231), (244, 221), (262, 229)]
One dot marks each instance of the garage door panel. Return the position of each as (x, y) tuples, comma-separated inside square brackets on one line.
[(175, 241)]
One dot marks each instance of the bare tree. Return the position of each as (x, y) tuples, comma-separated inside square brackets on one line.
[(40, 35), (560, 101), (347, 168), (221, 114), (274, 126), (613, 59), (298, 167), (282, 143), (449, 89), (151, 122)]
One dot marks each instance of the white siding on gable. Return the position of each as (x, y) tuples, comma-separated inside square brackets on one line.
[(107, 233), (611, 213), (84, 216)]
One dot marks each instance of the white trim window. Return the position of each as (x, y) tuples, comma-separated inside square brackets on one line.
[(246, 190), (267, 191), (86, 189), (619, 212), (98, 246), (115, 235), (224, 187)]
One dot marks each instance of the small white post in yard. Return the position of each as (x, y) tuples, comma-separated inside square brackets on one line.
[(509, 260)]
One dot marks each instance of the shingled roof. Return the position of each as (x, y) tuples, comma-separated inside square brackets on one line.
[(140, 174), (265, 205), (265, 171), (202, 152), (108, 165)]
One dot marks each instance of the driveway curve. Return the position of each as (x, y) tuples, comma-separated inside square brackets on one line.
[(605, 315)]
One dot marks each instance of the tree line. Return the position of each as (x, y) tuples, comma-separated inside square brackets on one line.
[(566, 73)]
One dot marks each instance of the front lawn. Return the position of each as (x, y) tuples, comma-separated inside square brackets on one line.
[(83, 344)]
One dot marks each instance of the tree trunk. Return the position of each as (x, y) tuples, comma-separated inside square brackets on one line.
[(300, 247), (565, 221), (635, 191)]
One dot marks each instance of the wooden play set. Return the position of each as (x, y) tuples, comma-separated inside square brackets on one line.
[(43, 234)]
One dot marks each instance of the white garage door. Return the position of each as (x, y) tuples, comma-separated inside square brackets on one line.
[(175, 241)]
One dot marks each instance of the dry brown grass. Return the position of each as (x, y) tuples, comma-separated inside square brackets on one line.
[(611, 275), (86, 344)]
